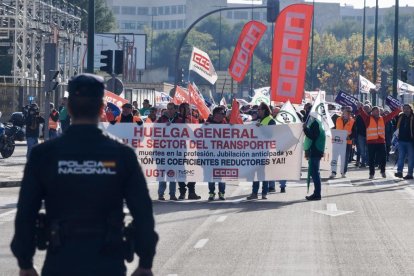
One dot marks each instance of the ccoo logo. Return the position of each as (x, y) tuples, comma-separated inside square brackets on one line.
[(285, 117)]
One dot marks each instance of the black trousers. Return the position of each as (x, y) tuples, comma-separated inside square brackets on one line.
[(190, 185), (376, 155)]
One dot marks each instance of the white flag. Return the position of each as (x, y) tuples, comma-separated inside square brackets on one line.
[(365, 85), (404, 88), (319, 111), (201, 64), (223, 102), (287, 115), (259, 97)]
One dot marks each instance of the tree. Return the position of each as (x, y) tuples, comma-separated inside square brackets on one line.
[(344, 29), (104, 18)]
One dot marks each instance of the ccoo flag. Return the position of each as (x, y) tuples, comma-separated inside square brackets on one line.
[(287, 115), (290, 53), (201, 64), (249, 38), (319, 112)]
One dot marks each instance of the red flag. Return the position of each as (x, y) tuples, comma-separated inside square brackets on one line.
[(249, 38), (235, 118), (192, 97), (290, 53)]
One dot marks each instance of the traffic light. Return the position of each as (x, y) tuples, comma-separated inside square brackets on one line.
[(119, 62), (272, 10), (404, 75), (107, 60)]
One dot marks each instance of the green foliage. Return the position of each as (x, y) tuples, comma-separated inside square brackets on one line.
[(104, 19)]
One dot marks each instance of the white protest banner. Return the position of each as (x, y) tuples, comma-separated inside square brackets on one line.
[(335, 150), (201, 64), (287, 115), (310, 96), (162, 98), (194, 152), (365, 85), (404, 88)]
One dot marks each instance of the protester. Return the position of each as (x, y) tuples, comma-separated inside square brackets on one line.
[(218, 117), (53, 121), (375, 125), (361, 139), (345, 122), (185, 117), (264, 118), (135, 105), (389, 132), (64, 116), (405, 127), (314, 147), (126, 116), (152, 116), (170, 117), (33, 121), (146, 108)]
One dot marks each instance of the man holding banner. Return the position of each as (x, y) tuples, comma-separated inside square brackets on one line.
[(405, 127), (314, 146)]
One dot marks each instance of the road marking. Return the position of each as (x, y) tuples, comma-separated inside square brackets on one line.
[(332, 211), (201, 243), (8, 213), (172, 275), (221, 218), (340, 182)]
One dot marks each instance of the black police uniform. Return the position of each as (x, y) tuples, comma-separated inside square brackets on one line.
[(83, 178)]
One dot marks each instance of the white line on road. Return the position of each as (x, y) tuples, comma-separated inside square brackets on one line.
[(8, 213), (331, 207), (172, 275), (221, 218), (201, 243)]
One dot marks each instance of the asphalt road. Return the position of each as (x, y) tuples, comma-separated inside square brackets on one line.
[(284, 235)]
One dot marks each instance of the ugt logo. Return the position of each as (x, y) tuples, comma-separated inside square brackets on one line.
[(202, 61), (287, 117), (320, 109)]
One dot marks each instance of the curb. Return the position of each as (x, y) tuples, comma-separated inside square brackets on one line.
[(10, 184)]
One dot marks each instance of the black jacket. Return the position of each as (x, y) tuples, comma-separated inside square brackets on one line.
[(312, 132), (83, 176), (406, 128), (361, 129), (33, 125)]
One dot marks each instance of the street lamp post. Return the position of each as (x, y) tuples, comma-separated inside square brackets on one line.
[(313, 27), (395, 67), (374, 99), (91, 35)]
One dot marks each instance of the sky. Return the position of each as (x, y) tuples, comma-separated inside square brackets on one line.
[(370, 3)]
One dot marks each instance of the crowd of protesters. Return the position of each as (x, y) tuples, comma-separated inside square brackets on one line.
[(372, 134)]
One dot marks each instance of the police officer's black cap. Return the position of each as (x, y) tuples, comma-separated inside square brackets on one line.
[(86, 85)]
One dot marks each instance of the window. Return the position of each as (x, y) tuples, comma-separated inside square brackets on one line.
[(166, 24), (370, 19), (154, 25), (161, 10), (173, 9), (142, 11), (167, 10), (180, 24), (229, 15), (141, 25), (180, 9), (128, 10), (173, 24), (154, 11), (241, 15), (256, 15), (128, 25), (159, 25), (115, 9)]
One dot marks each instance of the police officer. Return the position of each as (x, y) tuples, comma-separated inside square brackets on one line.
[(83, 177)]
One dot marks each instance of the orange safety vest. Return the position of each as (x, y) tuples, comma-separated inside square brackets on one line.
[(53, 124), (348, 127), (376, 129), (135, 119)]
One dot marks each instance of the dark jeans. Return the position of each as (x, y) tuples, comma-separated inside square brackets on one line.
[(190, 185), (265, 187), (348, 153), (376, 154), (316, 177), (52, 133), (221, 186), (362, 149)]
